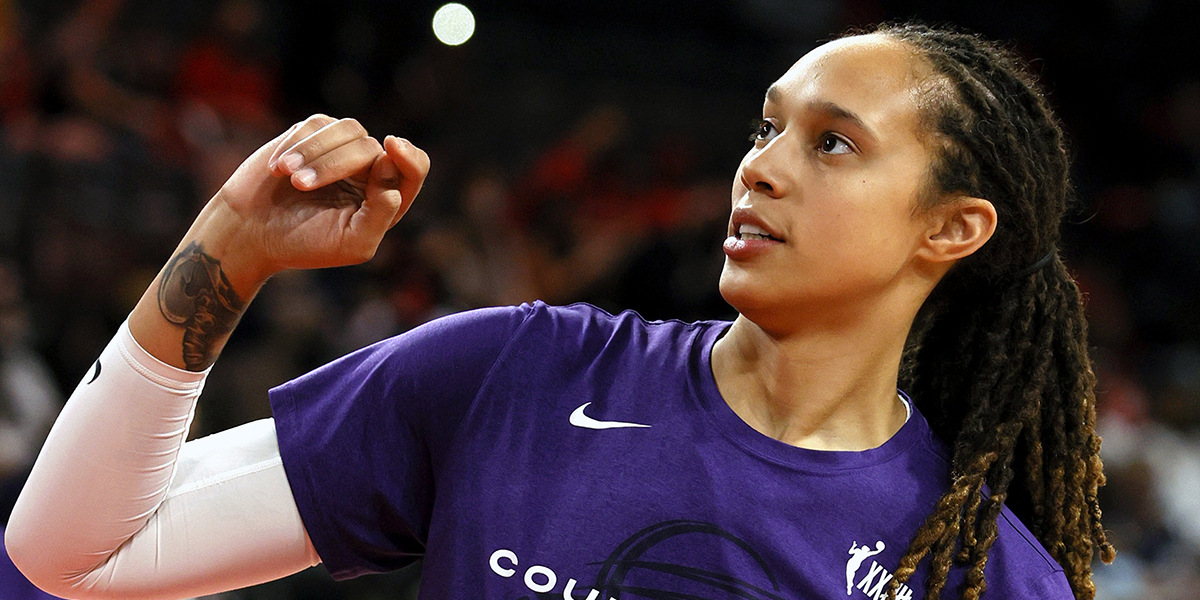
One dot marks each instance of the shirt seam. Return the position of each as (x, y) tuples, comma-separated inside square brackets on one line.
[(483, 383), (732, 438), (1034, 545)]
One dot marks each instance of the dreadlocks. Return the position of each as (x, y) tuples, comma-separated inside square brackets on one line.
[(997, 357)]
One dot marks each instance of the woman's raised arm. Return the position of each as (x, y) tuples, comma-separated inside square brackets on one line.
[(113, 507)]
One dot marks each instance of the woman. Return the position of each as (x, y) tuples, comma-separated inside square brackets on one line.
[(899, 208)]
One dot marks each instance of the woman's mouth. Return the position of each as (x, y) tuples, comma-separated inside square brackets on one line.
[(748, 241), (747, 231)]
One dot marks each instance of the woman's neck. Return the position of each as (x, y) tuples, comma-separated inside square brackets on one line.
[(823, 390)]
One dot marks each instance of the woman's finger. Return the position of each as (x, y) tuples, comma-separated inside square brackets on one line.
[(320, 142), (412, 164), (382, 208), (295, 135), (343, 161), (280, 143)]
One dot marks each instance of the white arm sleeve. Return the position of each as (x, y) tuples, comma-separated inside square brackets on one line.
[(117, 506)]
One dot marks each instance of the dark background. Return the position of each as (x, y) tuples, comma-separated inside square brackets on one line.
[(581, 151)]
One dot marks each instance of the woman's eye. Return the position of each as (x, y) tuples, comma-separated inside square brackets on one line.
[(832, 144), (764, 131)]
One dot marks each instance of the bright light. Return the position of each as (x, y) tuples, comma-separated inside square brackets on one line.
[(453, 24)]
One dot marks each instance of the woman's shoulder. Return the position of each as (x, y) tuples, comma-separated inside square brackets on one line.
[(582, 321), (539, 328), (585, 312), (1020, 564)]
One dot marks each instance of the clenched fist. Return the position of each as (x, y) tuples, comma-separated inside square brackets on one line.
[(322, 194)]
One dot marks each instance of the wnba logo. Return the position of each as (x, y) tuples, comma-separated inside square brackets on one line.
[(874, 583)]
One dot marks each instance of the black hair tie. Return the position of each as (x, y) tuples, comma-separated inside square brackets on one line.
[(1037, 266)]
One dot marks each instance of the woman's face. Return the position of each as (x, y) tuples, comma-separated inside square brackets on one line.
[(832, 180)]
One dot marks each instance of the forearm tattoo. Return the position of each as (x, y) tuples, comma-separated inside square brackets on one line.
[(196, 295)]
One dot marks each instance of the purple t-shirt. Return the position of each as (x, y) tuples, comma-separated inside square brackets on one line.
[(562, 452)]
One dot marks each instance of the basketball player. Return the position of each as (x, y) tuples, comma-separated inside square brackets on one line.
[(895, 220)]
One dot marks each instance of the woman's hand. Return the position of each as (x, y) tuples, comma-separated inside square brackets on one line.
[(322, 194)]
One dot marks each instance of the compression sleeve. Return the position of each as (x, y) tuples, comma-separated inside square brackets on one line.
[(118, 506)]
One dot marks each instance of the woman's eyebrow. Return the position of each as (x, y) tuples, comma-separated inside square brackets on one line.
[(835, 111), (829, 109), (826, 108)]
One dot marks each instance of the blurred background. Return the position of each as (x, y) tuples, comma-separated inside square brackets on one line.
[(581, 152)]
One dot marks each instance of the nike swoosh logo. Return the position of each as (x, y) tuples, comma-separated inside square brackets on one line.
[(96, 374), (579, 419)]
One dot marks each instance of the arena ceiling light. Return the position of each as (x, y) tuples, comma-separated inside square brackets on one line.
[(453, 24)]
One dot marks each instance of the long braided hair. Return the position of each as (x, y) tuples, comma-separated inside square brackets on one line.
[(997, 358)]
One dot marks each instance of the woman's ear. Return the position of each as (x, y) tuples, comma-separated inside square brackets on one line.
[(957, 229)]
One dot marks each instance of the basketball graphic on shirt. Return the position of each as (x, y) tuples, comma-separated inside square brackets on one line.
[(718, 565)]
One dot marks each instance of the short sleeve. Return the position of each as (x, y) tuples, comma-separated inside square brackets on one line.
[(1052, 586), (361, 437)]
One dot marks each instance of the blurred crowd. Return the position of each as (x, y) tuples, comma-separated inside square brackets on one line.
[(580, 154)]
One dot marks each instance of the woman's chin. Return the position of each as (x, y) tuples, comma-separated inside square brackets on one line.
[(747, 292)]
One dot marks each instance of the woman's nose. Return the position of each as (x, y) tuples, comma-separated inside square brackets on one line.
[(760, 172)]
